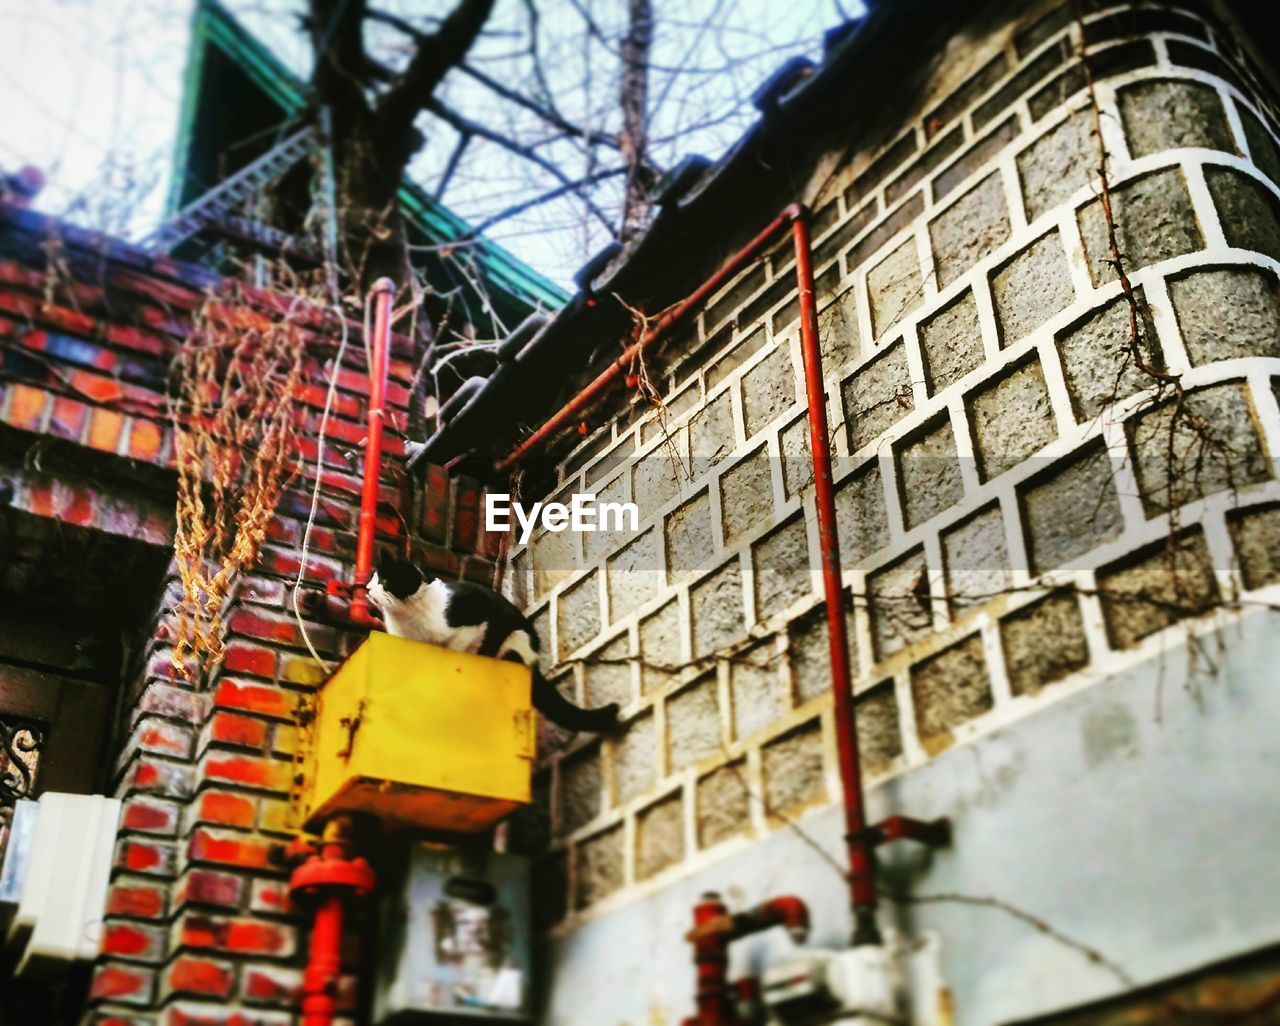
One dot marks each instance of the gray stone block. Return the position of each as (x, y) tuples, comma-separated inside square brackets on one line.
[(746, 496), (1157, 588), (1043, 643), (929, 480), (781, 562), (689, 538), (1170, 114), (1263, 150), (768, 389), (1185, 451), (555, 555), (711, 434), (793, 770), (838, 331), (1248, 211), (1155, 221), (635, 759), (951, 342), (716, 603), (894, 287), (724, 805), (597, 543), (600, 867), (1256, 535), (581, 789), (1098, 360), (755, 691), (1058, 163), (1227, 313), (809, 651), (949, 689), (578, 614), (608, 673), (879, 735), (977, 560), (1071, 509), (661, 647), (797, 464), (899, 602), (1012, 418), (877, 396), (635, 574), (694, 731), (655, 478), (862, 521), (970, 230), (1031, 288), (660, 836)]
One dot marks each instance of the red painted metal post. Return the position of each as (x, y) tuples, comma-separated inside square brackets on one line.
[(711, 960), (665, 323), (383, 293), (324, 964), (861, 859)]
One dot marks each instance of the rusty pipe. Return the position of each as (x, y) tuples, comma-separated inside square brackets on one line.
[(383, 292), (862, 882), (619, 367)]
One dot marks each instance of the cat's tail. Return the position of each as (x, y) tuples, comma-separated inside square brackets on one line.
[(560, 711)]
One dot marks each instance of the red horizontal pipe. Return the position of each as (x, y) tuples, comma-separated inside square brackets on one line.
[(862, 881), (661, 326), (383, 293)]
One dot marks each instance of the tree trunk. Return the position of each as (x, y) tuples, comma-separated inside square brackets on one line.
[(635, 127)]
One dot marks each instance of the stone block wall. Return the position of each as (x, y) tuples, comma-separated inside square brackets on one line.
[(199, 930), (1007, 452)]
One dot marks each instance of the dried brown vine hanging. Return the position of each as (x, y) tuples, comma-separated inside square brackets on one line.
[(236, 420)]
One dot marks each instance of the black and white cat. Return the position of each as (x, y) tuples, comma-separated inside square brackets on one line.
[(469, 617)]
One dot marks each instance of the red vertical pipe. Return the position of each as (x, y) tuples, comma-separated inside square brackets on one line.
[(324, 964), (383, 292), (861, 866), (711, 958)]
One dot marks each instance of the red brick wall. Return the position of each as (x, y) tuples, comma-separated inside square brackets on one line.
[(199, 929)]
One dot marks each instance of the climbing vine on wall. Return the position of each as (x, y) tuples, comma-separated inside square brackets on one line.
[(236, 419)]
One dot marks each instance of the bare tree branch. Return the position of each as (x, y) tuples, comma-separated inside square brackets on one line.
[(634, 95)]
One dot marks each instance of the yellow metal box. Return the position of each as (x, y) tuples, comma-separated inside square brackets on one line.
[(422, 736)]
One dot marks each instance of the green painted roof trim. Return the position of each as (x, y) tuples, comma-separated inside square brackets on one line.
[(213, 25)]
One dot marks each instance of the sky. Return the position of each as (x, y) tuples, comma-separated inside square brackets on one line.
[(90, 90)]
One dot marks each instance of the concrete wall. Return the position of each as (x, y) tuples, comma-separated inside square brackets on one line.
[(1003, 483)]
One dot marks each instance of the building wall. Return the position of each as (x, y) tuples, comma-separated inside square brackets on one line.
[(199, 928), (1002, 485)]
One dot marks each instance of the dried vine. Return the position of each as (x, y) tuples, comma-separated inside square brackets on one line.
[(237, 377)]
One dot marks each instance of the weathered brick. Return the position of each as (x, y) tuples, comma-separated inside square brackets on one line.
[(906, 213), (600, 867), (1249, 212), (716, 605), (1061, 161), (1032, 72), (899, 603), (929, 471), (607, 672), (1205, 444), (949, 689), (149, 816), (136, 899), (241, 936), (693, 724), (977, 559), (578, 614), (134, 941), (754, 691), (1012, 418), (233, 729), (246, 770), (202, 977), (794, 775), (1166, 115), (879, 734), (937, 152), (724, 808), (164, 738), (1031, 287), (226, 808), (1155, 221), (838, 330), (1043, 29), (951, 342), (711, 433), (1043, 643), (689, 537), (660, 836), (975, 157), (156, 776), (1227, 313), (746, 495), (1071, 508), (877, 396), (153, 858), (123, 984), (960, 98), (894, 287), (186, 1013), (270, 897), (768, 389), (635, 758), (230, 848), (1156, 588), (1098, 356), (1256, 535), (661, 645), (782, 573), (210, 887), (581, 789), (809, 651), (970, 229)]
